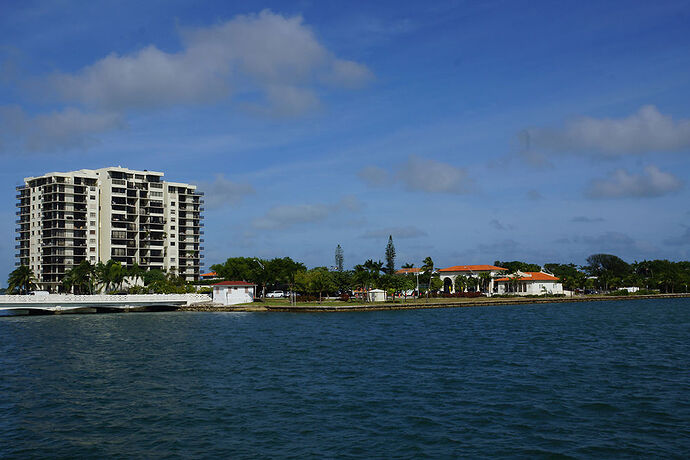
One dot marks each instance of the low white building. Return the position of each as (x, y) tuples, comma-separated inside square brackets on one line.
[(448, 275), (376, 295), (233, 292), (529, 283)]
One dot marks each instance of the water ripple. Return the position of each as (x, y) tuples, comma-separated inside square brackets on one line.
[(605, 379)]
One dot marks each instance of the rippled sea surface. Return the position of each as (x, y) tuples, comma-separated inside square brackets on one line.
[(599, 379)]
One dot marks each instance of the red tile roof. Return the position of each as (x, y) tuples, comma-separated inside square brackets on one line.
[(471, 268), (233, 283), (532, 276), (402, 271)]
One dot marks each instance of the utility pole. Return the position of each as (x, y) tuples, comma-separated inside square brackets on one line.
[(263, 285)]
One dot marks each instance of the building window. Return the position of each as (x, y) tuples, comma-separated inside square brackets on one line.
[(92, 197), (172, 203), (93, 214), (92, 258), (172, 260), (172, 227), (92, 250), (172, 243), (92, 232), (92, 241), (93, 223)]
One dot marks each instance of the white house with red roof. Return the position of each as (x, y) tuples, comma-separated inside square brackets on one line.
[(448, 275), (529, 283), (233, 292)]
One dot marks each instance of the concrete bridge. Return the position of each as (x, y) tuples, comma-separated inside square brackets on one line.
[(69, 303)]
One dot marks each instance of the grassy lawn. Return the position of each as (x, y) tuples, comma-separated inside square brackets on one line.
[(408, 301)]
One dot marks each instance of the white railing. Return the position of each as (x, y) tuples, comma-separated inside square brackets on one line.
[(64, 299)]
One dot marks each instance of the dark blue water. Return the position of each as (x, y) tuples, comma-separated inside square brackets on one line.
[(607, 380)]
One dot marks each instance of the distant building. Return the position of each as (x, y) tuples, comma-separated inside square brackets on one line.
[(448, 275), (209, 276), (113, 213), (233, 292), (529, 283), (409, 271)]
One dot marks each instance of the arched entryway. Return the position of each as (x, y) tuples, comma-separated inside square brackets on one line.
[(447, 285)]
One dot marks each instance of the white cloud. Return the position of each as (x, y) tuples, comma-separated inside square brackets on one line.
[(420, 175), (621, 184), (647, 130), (223, 192), (397, 233), (275, 56), (285, 216), (58, 130), (426, 175), (374, 176)]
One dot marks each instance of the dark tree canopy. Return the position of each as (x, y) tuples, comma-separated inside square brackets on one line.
[(606, 265), (390, 256), (516, 265)]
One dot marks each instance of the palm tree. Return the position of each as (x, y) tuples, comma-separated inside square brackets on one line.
[(116, 273), (136, 272), (428, 267), (460, 283), (22, 280), (101, 276), (484, 281)]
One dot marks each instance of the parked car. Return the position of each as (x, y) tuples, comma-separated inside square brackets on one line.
[(275, 295)]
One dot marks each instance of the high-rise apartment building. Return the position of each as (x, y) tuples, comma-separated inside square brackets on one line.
[(110, 213)]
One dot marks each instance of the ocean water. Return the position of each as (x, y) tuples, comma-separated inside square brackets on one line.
[(585, 380)]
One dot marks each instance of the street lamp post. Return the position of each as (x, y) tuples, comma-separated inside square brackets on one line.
[(263, 285)]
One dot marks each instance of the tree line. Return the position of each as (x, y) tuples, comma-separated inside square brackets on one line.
[(109, 277), (602, 272), (608, 272)]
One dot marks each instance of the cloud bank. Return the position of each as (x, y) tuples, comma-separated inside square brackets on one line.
[(276, 55), (223, 192), (69, 128), (267, 63), (419, 174), (285, 216), (645, 131), (651, 183)]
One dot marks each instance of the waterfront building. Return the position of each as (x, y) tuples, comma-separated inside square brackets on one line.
[(209, 276), (113, 213), (529, 283), (233, 292), (488, 272)]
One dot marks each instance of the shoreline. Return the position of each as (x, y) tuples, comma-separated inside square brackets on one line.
[(439, 303)]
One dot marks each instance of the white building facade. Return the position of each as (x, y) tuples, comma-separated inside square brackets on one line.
[(110, 213), (233, 292), (480, 272), (529, 283)]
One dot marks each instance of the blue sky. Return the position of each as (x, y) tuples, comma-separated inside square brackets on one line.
[(470, 131)]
